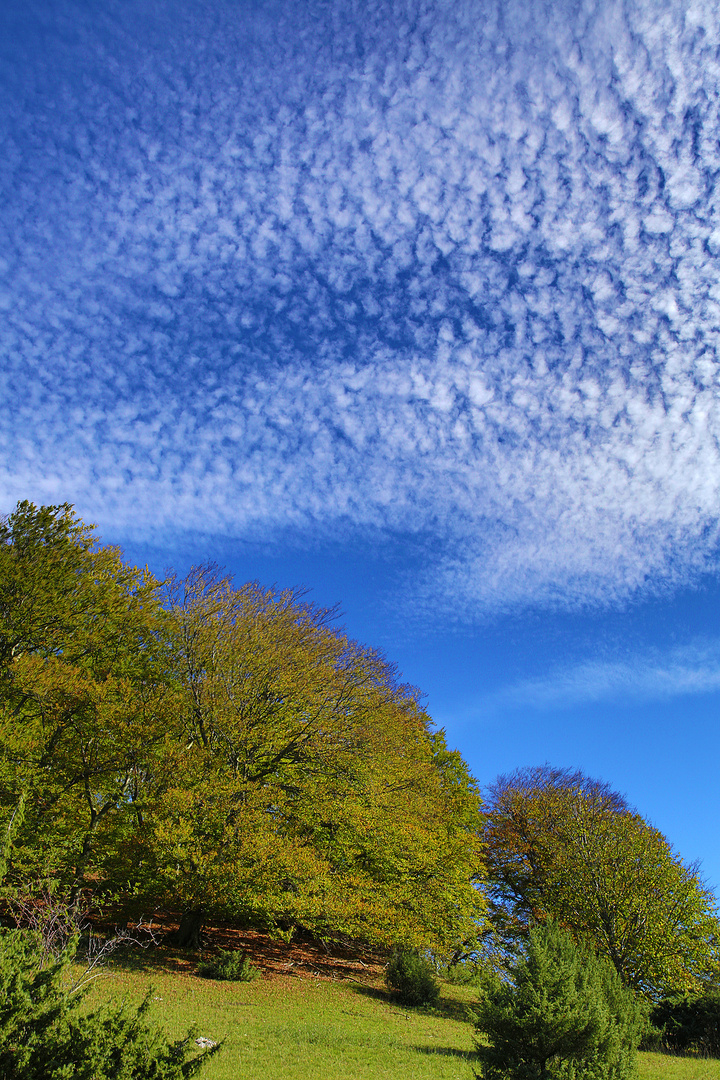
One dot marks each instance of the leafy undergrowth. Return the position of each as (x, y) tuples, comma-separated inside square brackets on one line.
[(319, 1015)]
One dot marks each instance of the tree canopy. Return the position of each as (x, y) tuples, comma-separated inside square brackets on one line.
[(561, 845), (82, 692), (230, 750), (219, 747), (311, 778)]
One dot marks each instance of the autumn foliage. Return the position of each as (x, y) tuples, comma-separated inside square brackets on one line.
[(228, 751), (208, 747), (563, 846)]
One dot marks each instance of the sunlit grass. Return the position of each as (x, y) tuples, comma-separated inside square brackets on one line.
[(282, 1028), (667, 1067)]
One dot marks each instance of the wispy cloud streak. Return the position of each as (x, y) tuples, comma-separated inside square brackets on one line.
[(653, 676), (440, 269)]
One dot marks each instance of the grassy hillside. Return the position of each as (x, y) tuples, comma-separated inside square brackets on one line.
[(324, 1026)]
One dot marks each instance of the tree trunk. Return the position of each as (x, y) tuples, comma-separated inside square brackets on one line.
[(189, 933)]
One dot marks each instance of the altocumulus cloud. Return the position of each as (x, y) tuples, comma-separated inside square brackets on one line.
[(427, 268)]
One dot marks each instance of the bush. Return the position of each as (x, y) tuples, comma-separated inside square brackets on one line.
[(688, 1025), (411, 978), (564, 1015), (45, 1036), (230, 964)]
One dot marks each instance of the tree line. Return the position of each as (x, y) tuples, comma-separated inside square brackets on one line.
[(220, 750), (229, 751)]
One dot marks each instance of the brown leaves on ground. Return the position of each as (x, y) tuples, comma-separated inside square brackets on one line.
[(303, 957)]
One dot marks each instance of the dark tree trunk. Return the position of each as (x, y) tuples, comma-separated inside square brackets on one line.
[(189, 933)]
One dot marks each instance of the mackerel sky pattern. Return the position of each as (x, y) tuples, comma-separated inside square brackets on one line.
[(444, 271)]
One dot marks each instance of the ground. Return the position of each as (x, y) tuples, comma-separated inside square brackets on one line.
[(303, 956)]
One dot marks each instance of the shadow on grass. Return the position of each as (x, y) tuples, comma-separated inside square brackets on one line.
[(446, 1008), (162, 959), (447, 1051)]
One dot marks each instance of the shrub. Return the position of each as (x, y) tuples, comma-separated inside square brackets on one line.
[(411, 978), (689, 1025), (230, 964), (45, 1036), (564, 1015)]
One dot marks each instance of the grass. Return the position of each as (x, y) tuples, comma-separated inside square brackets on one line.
[(284, 1027), (666, 1067), (302, 1028)]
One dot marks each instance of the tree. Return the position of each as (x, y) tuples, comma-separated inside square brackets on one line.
[(411, 978), (44, 586), (562, 1015), (688, 1024), (83, 695), (313, 789), (561, 845)]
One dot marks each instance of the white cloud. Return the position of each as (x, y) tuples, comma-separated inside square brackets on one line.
[(442, 272), (653, 676)]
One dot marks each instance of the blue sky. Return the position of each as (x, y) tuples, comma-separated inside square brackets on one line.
[(415, 303)]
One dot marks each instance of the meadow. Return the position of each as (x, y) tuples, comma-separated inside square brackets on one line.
[(285, 1026)]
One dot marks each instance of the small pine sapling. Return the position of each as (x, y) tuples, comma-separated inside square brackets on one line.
[(563, 1015), (411, 978), (229, 964), (45, 1035)]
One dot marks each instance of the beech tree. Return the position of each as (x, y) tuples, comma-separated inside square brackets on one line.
[(561, 845), (82, 694), (310, 787)]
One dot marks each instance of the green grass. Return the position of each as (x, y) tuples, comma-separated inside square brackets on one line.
[(304, 1028), (665, 1067)]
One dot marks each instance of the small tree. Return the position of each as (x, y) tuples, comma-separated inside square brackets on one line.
[(563, 1016), (230, 964), (44, 1035), (411, 978)]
